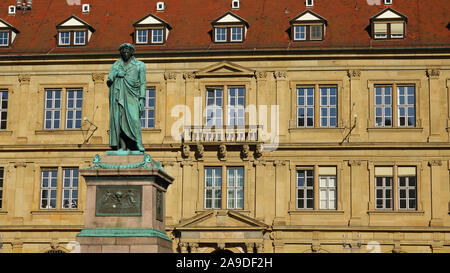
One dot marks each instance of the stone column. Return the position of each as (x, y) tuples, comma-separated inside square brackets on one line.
[(436, 179), (436, 108)]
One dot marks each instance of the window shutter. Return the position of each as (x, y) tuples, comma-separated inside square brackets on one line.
[(380, 28), (397, 28), (327, 170), (406, 171), (384, 171)]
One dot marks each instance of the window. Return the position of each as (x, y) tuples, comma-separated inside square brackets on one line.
[(221, 34), (234, 188), (325, 197), (305, 189), (315, 32), (214, 104), (2, 173), (3, 109), (49, 187), (328, 106), (69, 38), (383, 106), (236, 106), (390, 30), (148, 116), (54, 108), (406, 106), (327, 192), (235, 97), (80, 37), (299, 32), (308, 32), (405, 188), (73, 112), (68, 187), (236, 34), (404, 113), (64, 38), (142, 36), (383, 188), (213, 188), (309, 3), (235, 4), (316, 106), (388, 2), (4, 38), (157, 35), (305, 107)]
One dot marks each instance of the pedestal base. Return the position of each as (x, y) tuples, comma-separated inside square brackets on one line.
[(123, 240), (125, 205)]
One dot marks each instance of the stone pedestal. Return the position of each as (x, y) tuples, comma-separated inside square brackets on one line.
[(125, 205)]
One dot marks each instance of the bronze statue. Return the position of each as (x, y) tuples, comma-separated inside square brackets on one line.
[(127, 85)]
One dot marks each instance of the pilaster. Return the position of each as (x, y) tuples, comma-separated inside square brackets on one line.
[(436, 107), (437, 214)]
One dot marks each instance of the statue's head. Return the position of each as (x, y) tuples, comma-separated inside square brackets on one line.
[(126, 51)]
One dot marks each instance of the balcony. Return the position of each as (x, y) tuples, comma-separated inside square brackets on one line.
[(226, 134)]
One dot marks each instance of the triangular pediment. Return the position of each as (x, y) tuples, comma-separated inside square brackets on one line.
[(221, 219), (307, 16), (4, 24), (74, 21), (388, 14), (229, 18), (150, 20), (224, 69)]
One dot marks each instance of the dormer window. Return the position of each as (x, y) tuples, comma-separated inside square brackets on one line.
[(73, 32), (308, 26), (8, 34), (229, 28), (388, 25), (151, 30)]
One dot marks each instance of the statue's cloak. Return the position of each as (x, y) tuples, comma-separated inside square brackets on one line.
[(129, 85)]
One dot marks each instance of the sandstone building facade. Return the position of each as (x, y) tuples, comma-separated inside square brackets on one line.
[(287, 127)]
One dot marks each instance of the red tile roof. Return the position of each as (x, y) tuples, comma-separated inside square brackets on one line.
[(348, 24)]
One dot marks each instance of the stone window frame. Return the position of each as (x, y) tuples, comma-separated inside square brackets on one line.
[(339, 84), (62, 128), (204, 84), (299, 165), (395, 198), (394, 83), (59, 187), (201, 205)]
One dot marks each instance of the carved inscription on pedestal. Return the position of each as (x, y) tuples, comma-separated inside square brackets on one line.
[(118, 201)]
